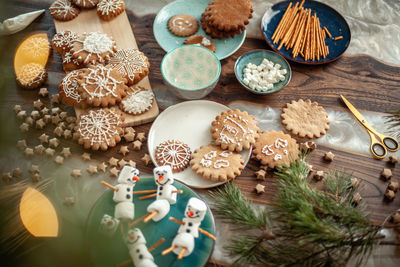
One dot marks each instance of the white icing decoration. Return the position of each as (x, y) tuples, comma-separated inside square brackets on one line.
[(85, 3), (174, 154), (101, 78), (267, 150), (129, 62), (210, 155), (109, 6), (221, 163), (225, 153), (70, 84), (238, 132), (97, 44), (205, 41), (277, 157), (285, 152), (64, 39), (67, 58), (281, 143), (62, 8), (36, 46), (138, 101), (99, 126), (181, 23), (207, 162), (31, 73)]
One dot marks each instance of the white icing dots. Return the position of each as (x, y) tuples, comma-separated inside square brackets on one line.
[(138, 101), (64, 39), (95, 44)]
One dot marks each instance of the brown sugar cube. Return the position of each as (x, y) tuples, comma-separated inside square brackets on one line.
[(43, 92), (390, 195), (7, 177), (17, 109), (137, 145), (17, 173), (21, 144), (355, 182), (329, 156), (319, 175), (260, 188), (260, 174), (394, 186), (123, 150), (141, 137), (357, 198), (386, 174), (393, 159)]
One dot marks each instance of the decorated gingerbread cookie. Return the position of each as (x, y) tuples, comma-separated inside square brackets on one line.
[(200, 40), (63, 10), (62, 41), (131, 63), (86, 3), (31, 75), (214, 163), (35, 48), (276, 149), (68, 90), (93, 47), (183, 25), (137, 101), (173, 153), (109, 9), (100, 129), (305, 119), (235, 130), (70, 63), (101, 86)]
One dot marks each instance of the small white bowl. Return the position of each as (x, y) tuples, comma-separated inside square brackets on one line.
[(190, 71)]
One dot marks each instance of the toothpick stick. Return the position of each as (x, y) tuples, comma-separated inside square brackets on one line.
[(151, 215), (148, 196), (168, 250), (144, 192), (180, 256), (159, 242), (177, 191), (109, 185), (176, 220), (204, 232), (137, 221)]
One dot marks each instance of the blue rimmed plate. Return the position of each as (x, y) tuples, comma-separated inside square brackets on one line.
[(256, 57), (168, 41), (111, 251), (329, 18)]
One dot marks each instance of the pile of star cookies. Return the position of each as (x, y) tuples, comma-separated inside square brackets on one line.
[(101, 75), (65, 10)]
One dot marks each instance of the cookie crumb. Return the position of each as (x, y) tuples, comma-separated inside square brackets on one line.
[(123, 150), (260, 188), (386, 174), (59, 160), (113, 161), (308, 146), (393, 159), (43, 92), (86, 156), (114, 172), (319, 175), (394, 186), (137, 145), (260, 174), (390, 194), (146, 159), (92, 169), (76, 173), (329, 156)]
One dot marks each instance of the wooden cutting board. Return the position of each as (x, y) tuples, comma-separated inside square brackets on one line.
[(120, 29)]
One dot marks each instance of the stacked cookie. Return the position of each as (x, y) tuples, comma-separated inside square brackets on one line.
[(222, 19)]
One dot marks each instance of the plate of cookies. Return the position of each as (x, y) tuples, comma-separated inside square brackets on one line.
[(209, 146), (205, 23)]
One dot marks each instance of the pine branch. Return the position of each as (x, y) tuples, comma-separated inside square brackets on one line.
[(394, 120)]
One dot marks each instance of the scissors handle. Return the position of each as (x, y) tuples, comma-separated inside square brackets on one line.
[(390, 143), (378, 150)]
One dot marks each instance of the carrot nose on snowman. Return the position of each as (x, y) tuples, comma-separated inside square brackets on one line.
[(132, 236), (190, 213), (160, 178), (135, 178)]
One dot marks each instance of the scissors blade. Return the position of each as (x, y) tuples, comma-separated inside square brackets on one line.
[(358, 115)]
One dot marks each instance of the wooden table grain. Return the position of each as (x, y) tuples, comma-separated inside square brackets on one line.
[(370, 84)]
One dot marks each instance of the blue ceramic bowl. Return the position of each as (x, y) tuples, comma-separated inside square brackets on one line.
[(190, 71), (328, 17), (256, 57)]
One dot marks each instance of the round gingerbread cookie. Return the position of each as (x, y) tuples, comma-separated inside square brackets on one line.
[(183, 25), (70, 63), (109, 9), (101, 86), (93, 47), (200, 40), (137, 101), (173, 153), (131, 63), (31, 75), (100, 129), (276, 149), (63, 10), (86, 3), (62, 41), (68, 90), (214, 163), (235, 130)]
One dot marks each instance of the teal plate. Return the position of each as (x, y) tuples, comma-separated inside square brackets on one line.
[(168, 41), (256, 57), (111, 251)]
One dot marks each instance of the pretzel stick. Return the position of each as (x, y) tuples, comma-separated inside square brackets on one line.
[(327, 32), (159, 242), (318, 29), (303, 44), (109, 186), (176, 220), (281, 21), (207, 234), (338, 38), (177, 191), (148, 196), (144, 192), (313, 39), (286, 26), (151, 215), (301, 4), (299, 36), (168, 250), (288, 33), (298, 28), (137, 220), (180, 256)]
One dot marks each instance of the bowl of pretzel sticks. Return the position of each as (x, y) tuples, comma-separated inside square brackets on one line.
[(307, 32)]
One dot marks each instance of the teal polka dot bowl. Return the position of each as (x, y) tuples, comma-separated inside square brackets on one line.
[(190, 71)]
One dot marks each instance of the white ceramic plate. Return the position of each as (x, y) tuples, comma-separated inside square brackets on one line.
[(190, 123)]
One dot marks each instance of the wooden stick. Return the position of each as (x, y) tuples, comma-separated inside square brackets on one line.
[(151, 215), (109, 186), (177, 191), (281, 21), (176, 220), (137, 220), (338, 38), (327, 32), (148, 196), (204, 232), (159, 242), (144, 192), (124, 263), (180, 256), (168, 250)]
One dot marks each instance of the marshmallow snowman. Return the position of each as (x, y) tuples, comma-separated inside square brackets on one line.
[(164, 179), (162, 207), (138, 251), (108, 225)]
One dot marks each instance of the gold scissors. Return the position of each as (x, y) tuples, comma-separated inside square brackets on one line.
[(379, 148)]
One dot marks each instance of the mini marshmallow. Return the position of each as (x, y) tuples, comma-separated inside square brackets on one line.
[(160, 205), (108, 225), (183, 240), (124, 210)]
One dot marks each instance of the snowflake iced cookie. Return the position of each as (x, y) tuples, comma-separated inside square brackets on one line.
[(131, 63), (234, 130), (109, 9), (275, 149), (101, 86), (62, 41), (31, 75), (173, 153), (93, 47), (305, 119), (68, 90), (100, 129), (137, 101), (214, 163), (63, 10), (70, 63), (86, 3)]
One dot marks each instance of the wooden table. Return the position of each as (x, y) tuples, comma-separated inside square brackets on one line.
[(368, 83)]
